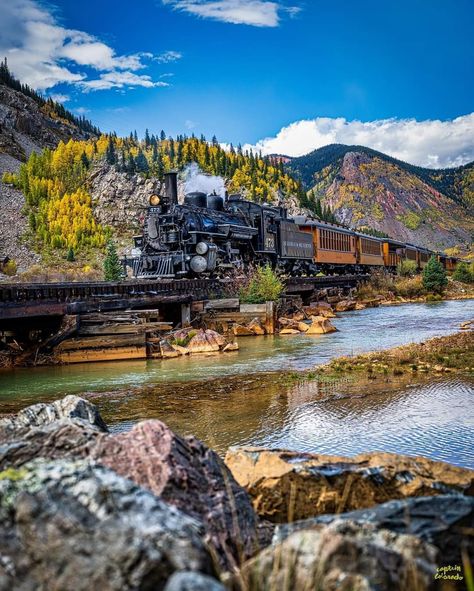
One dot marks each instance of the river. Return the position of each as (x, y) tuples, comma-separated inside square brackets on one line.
[(222, 399)]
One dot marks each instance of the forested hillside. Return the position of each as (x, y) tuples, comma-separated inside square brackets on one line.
[(61, 193)]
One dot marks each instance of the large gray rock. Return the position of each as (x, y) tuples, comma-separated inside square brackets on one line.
[(182, 471), (192, 581), (444, 521), (72, 525), (342, 556), (70, 407)]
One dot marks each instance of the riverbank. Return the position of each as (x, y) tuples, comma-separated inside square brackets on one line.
[(83, 508), (450, 354)]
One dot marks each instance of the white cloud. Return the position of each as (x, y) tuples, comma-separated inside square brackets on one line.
[(60, 98), (120, 80), (82, 110), (257, 13), (430, 143), (168, 57), (43, 53)]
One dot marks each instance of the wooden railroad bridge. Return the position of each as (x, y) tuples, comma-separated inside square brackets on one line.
[(19, 300)]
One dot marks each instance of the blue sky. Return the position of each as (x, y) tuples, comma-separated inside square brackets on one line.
[(182, 66)]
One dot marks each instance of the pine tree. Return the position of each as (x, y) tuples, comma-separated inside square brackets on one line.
[(162, 135), (434, 276), (70, 255), (85, 160), (141, 163), (112, 268), (147, 138), (110, 155)]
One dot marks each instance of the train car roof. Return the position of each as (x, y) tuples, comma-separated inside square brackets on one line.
[(393, 241), (302, 220), (376, 238)]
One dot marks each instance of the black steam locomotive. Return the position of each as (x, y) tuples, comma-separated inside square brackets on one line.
[(209, 234)]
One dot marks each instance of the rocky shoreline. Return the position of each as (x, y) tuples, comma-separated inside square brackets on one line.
[(147, 509)]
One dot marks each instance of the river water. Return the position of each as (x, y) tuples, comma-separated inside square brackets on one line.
[(234, 399)]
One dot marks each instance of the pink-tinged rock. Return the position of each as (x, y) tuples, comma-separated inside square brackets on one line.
[(187, 474), (206, 341)]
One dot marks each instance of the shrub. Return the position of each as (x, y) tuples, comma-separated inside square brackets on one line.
[(434, 276), (406, 268), (9, 268), (409, 287), (463, 273), (264, 286), (113, 270), (70, 255)]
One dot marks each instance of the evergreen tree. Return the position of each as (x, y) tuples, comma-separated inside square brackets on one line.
[(113, 270), (135, 136), (463, 273), (147, 138), (434, 276), (141, 163), (70, 255), (131, 168), (85, 160), (110, 155), (162, 135)]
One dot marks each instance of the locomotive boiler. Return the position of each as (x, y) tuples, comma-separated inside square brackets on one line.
[(208, 235)]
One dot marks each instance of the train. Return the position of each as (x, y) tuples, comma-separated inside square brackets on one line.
[(211, 235)]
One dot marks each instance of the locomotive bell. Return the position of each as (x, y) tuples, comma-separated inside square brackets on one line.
[(202, 248), (155, 200), (198, 264)]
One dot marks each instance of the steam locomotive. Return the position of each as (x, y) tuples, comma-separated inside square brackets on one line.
[(208, 236)]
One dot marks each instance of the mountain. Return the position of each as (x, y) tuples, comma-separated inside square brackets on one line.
[(28, 124), (368, 189)]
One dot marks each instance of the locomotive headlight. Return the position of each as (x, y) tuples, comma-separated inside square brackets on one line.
[(155, 200), (202, 248)]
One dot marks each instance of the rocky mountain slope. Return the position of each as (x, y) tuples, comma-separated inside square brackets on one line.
[(25, 127), (365, 188)]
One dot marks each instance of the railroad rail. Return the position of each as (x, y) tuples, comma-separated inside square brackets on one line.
[(19, 300)]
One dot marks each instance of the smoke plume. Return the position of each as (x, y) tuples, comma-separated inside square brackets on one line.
[(196, 180)]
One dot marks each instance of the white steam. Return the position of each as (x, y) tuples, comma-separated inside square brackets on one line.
[(196, 181)]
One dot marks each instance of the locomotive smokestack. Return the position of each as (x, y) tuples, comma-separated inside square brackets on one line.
[(171, 186)]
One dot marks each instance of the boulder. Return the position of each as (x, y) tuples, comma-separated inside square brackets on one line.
[(444, 521), (241, 331), (187, 474), (288, 486), (206, 341), (342, 556), (192, 581), (320, 325), (69, 407), (289, 331), (180, 350), (231, 347), (303, 327), (346, 305), (167, 351), (288, 323), (256, 327), (320, 309), (73, 525), (52, 441)]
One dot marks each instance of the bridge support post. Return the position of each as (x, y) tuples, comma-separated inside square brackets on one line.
[(185, 315), (270, 317)]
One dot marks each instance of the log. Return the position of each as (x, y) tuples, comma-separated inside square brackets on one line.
[(115, 354), (222, 304), (102, 342), (118, 328)]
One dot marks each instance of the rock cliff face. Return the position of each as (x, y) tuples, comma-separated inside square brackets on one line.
[(25, 128)]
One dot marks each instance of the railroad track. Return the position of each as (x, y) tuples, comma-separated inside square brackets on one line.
[(19, 300)]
